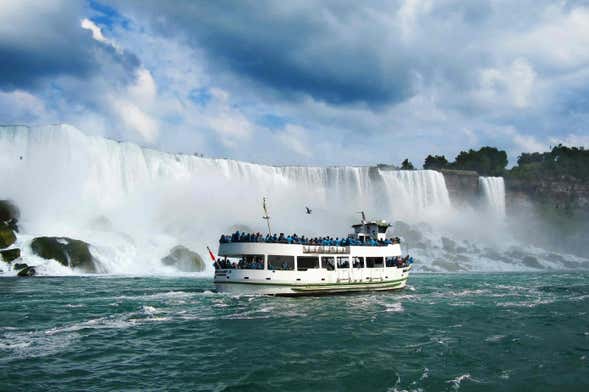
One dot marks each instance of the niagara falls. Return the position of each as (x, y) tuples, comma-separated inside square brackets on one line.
[(294, 196)]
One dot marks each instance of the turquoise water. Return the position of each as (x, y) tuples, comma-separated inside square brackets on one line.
[(475, 332)]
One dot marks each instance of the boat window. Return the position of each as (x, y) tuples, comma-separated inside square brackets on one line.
[(382, 229), (374, 262), (343, 262), (390, 261), (251, 262), (280, 262), (357, 262), (328, 263), (307, 262)]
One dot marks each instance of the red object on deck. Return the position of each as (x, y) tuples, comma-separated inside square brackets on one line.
[(211, 254)]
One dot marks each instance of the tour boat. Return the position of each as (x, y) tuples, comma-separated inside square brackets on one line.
[(298, 266)]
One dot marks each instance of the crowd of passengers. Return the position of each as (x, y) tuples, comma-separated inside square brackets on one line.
[(295, 239), (258, 263)]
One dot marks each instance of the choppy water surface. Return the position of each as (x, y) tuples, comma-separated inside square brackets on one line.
[(445, 332)]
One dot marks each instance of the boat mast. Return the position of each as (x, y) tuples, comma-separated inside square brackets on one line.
[(363, 221), (266, 215)]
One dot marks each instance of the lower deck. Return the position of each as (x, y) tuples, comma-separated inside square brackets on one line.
[(311, 282)]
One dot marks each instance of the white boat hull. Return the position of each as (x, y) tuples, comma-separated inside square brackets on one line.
[(307, 283)]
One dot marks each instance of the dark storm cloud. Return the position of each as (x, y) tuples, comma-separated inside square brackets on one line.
[(37, 45), (338, 52)]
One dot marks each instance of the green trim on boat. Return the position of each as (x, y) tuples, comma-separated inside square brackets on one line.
[(322, 286)]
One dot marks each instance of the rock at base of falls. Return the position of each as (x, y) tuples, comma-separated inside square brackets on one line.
[(19, 266), (27, 272), (69, 252), (184, 260), (7, 236), (10, 214), (10, 255)]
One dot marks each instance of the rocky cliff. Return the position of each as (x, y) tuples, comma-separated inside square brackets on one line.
[(463, 185), (559, 192)]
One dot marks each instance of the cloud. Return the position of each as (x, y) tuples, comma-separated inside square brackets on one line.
[(311, 82), (18, 104), (572, 140), (332, 51), (512, 85), (295, 139), (136, 119), (527, 143), (40, 41), (96, 32)]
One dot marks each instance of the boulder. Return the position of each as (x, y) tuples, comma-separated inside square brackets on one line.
[(7, 236), (10, 214), (29, 271), (69, 252), (9, 255), (19, 266), (8, 211), (184, 259)]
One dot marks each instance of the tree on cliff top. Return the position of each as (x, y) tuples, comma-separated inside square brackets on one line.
[(407, 165), (435, 162), (488, 161), (560, 161)]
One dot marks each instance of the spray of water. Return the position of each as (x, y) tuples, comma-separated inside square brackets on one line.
[(134, 204), (493, 189)]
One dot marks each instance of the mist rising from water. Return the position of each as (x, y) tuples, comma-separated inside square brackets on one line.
[(135, 204)]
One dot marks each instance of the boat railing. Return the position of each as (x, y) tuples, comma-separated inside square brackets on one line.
[(302, 240)]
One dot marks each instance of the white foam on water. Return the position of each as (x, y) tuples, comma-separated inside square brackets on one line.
[(394, 307), (456, 382), (35, 344)]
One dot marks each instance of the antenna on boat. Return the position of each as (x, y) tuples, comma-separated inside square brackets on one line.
[(363, 217), (266, 215), (364, 230)]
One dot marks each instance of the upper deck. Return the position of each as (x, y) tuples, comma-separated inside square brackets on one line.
[(233, 249)]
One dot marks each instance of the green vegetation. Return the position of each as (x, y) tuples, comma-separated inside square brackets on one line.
[(407, 165), (561, 161), (435, 162), (488, 161)]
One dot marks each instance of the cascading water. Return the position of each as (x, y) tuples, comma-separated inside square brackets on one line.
[(135, 204), (493, 190)]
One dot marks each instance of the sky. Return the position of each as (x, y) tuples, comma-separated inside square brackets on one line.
[(302, 82)]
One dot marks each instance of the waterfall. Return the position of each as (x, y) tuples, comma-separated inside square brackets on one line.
[(493, 190), (134, 204)]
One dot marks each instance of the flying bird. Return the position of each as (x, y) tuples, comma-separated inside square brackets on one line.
[(308, 210)]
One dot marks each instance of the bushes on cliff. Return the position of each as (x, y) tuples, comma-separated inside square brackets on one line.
[(488, 161), (560, 161), (435, 162), (407, 165)]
